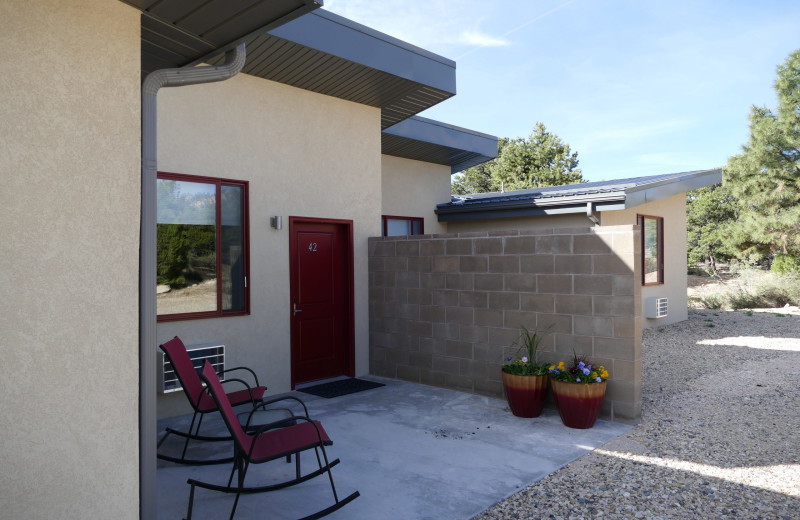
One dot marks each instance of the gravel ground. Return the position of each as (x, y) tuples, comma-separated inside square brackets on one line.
[(719, 436)]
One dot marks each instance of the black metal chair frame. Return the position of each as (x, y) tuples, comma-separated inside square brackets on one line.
[(242, 460), (194, 433)]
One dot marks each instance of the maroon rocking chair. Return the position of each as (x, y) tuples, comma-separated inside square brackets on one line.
[(201, 401), (272, 441)]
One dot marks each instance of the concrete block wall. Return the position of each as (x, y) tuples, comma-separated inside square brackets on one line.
[(445, 310)]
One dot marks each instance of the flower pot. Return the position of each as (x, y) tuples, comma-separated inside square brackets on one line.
[(525, 394), (578, 403)]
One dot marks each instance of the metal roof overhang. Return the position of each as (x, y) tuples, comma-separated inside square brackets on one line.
[(592, 202), (326, 53), (423, 139), (175, 33)]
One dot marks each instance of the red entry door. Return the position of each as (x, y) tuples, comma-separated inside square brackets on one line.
[(321, 301)]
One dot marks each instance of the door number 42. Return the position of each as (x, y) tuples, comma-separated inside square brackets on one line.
[(312, 246)]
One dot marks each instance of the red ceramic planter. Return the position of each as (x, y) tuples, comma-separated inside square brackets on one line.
[(578, 403), (525, 394)]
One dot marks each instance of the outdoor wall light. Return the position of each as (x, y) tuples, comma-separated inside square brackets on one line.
[(276, 222)]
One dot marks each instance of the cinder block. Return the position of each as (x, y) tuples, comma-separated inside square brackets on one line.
[(593, 326), (382, 369), (612, 264), (623, 285), (407, 280), (459, 349), (420, 360), (461, 383), (623, 391), (627, 412), (432, 378), (590, 244), (408, 373), (488, 282), (488, 317), (503, 337), (472, 299), (445, 298), (525, 245), (515, 319), (474, 334), (397, 356), (615, 348), (431, 280), (488, 388), (446, 365), (484, 352), (457, 281), (573, 264), (625, 326), (504, 300), (432, 346), (472, 264), (488, 246), (459, 315), (383, 248), (377, 263), (524, 282), (420, 296), (614, 306), (537, 302), (553, 323), (407, 248), (432, 313), (420, 264), (593, 284), (504, 264), (458, 246), (554, 283), (626, 370), (570, 304), (556, 244), (624, 242), (445, 264), (537, 264), (383, 279), (420, 328), (568, 345), (395, 295), (431, 247)]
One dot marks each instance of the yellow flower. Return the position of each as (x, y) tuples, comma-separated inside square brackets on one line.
[(552, 367), (593, 375), (561, 365)]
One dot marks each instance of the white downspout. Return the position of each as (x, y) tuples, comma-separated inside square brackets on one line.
[(234, 61)]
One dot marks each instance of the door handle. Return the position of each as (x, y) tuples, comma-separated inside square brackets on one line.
[(295, 310)]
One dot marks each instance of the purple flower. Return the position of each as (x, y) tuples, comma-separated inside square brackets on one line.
[(524, 359), (508, 358), (589, 367), (599, 380), (578, 379), (586, 371), (581, 365)]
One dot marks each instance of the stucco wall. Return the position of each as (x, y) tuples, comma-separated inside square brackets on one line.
[(413, 189), (304, 154), (673, 210), (572, 220), (70, 163)]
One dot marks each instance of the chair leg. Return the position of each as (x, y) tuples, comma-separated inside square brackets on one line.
[(191, 426), (191, 502), (243, 465)]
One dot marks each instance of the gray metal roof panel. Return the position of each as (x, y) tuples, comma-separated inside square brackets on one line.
[(424, 139), (608, 195)]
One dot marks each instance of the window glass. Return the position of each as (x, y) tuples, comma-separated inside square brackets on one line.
[(400, 226), (652, 250), (201, 247)]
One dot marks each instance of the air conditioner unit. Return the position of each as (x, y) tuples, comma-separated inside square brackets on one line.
[(168, 379), (655, 308)]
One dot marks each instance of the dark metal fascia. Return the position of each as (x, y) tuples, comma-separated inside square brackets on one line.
[(505, 209), (645, 193)]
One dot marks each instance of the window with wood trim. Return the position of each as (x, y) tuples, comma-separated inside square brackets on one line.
[(202, 247), (398, 226), (652, 230)]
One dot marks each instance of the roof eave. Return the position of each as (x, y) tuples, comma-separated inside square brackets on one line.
[(639, 195), (528, 208)]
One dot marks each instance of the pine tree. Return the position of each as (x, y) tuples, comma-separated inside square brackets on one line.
[(709, 214), (765, 177)]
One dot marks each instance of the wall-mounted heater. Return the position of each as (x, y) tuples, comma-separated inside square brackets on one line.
[(168, 380), (655, 308)]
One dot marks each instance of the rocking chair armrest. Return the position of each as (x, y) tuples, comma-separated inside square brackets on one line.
[(255, 377), (289, 421), (249, 388), (285, 398)]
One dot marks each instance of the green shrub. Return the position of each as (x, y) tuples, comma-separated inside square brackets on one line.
[(713, 301), (784, 264)]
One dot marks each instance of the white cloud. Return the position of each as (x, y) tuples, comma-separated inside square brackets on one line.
[(478, 39)]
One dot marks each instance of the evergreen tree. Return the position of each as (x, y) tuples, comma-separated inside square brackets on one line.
[(542, 159), (765, 177), (709, 214)]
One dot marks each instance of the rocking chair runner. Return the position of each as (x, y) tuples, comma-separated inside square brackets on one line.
[(201, 402), (269, 442)]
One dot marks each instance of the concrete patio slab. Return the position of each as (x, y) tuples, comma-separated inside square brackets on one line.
[(413, 451)]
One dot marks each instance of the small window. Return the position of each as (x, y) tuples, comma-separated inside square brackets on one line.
[(399, 226), (652, 249), (202, 247)]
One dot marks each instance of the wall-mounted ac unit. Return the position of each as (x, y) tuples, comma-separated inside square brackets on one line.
[(655, 308), (168, 379)]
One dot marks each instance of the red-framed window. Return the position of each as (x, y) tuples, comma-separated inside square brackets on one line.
[(399, 226), (203, 261), (652, 236)]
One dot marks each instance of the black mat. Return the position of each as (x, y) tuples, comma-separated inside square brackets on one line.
[(343, 387)]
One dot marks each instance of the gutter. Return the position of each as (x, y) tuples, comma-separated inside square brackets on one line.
[(148, 431)]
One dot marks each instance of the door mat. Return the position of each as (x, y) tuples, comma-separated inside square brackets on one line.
[(343, 387)]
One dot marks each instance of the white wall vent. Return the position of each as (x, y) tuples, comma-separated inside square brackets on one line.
[(655, 308), (168, 379)]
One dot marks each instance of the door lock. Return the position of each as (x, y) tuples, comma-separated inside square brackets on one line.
[(295, 310)]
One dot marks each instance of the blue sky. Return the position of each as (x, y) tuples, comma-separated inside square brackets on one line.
[(636, 87)]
